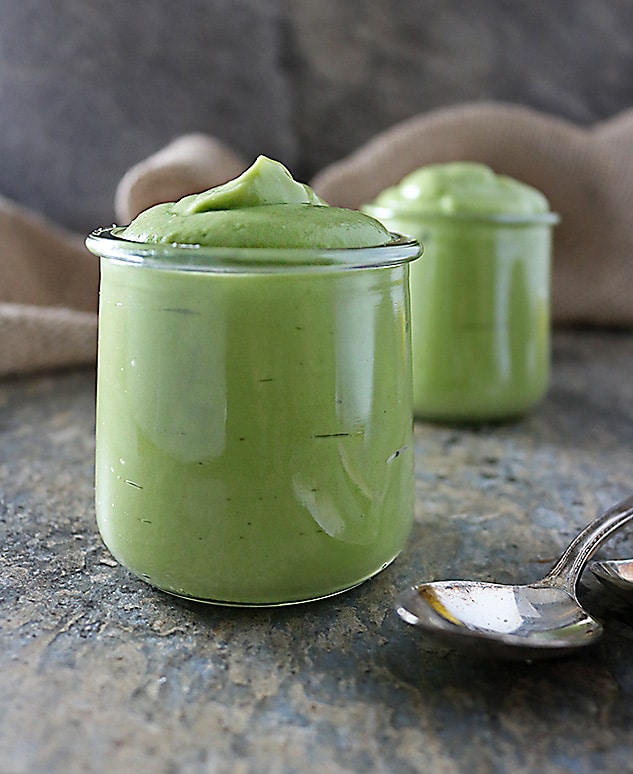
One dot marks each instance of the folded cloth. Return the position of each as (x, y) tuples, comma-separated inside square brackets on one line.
[(48, 294), (38, 337), (49, 281)]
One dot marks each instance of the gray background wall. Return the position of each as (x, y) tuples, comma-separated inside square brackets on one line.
[(90, 87)]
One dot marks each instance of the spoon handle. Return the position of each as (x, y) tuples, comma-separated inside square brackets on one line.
[(568, 569)]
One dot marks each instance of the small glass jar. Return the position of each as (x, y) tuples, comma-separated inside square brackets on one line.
[(480, 312), (254, 416)]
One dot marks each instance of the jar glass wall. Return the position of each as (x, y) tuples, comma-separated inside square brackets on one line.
[(254, 417)]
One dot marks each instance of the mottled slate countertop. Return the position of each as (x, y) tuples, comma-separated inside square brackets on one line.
[(100, 673)]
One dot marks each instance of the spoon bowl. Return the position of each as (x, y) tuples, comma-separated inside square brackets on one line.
[(614, 572), (538, 620), (500, 621)]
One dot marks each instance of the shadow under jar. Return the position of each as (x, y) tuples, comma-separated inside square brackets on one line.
[(254, 416)]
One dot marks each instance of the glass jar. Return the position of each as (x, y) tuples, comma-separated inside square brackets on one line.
[(480, 312), (254, 416)]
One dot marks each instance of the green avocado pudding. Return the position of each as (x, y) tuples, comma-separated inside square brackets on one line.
[(481, 297), (263, 207), (254, 398)]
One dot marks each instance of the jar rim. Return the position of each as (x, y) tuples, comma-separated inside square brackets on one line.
[(108, 243), (499, 218)]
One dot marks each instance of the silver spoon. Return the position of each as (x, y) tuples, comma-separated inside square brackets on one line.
[(537, 620), (614, 572)]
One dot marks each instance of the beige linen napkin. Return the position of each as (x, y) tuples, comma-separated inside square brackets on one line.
[(48, 294), (48, 280)]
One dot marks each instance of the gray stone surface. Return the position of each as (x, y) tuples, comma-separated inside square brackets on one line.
[(88, 89), (101, 673)]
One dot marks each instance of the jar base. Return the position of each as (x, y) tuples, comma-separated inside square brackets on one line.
[(284, 603), (458, 420)]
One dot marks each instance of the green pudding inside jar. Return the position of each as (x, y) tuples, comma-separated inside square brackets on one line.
[(254, 400), (481, 297)]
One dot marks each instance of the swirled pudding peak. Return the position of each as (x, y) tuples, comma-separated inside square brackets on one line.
[(263, 207)]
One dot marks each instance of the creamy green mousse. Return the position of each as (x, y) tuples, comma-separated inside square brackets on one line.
[(480, 297), (263, 207), (462, 188), (254, 433)]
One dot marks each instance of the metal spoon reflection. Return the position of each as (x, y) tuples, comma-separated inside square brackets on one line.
[(614, 572), (536, 620)]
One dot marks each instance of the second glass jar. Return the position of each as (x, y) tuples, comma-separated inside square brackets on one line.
[(480, 312)]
